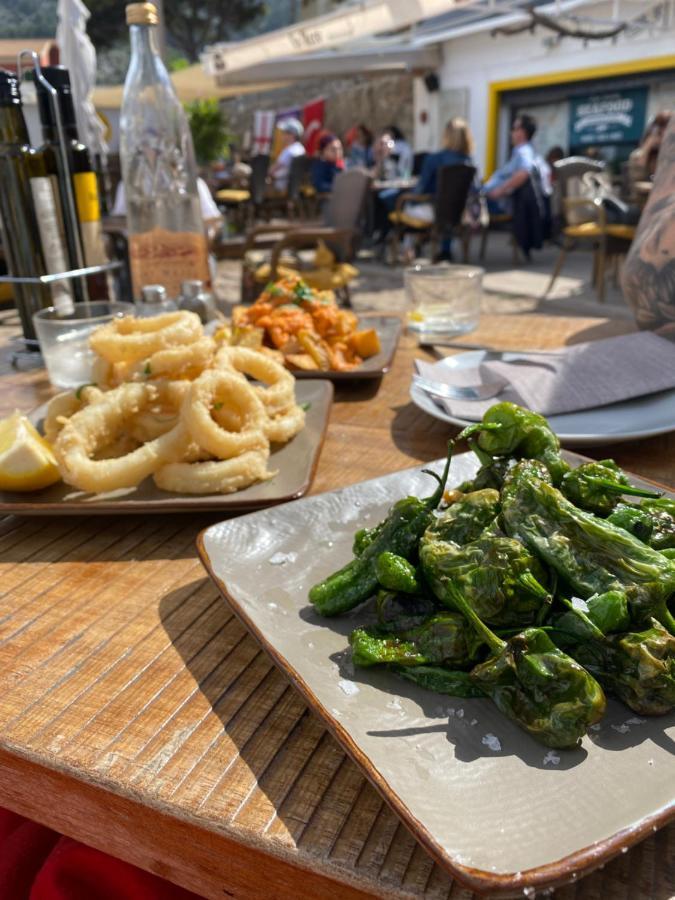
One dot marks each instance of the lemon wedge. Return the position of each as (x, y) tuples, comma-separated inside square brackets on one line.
[(27, 462)]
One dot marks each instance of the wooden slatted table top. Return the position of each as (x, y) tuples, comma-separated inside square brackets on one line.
[(137, 715)]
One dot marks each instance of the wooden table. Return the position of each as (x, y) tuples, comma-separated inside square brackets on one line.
[(137, 715)]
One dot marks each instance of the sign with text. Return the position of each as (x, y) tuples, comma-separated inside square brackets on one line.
[(616, 118)]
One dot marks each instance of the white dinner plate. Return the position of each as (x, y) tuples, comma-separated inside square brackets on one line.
[(641, 417)]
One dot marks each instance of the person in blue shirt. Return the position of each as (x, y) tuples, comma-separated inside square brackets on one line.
[(330, 162), (514, 173)]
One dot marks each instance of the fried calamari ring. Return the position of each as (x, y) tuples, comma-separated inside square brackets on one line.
[(278, 392), (64, 405), (163, 415), (214, 477), (217, 386), (174, 361), (101, 424), (282, 428), (130, 339)]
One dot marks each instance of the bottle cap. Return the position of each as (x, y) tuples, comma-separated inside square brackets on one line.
[(9, 89), (142, 14), (192, 288), (154, 293)]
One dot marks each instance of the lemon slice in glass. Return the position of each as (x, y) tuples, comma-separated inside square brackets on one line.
[(27, 462)]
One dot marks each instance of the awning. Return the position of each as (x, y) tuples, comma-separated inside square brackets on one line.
[(371, 60), (190, 84), (354, 22)]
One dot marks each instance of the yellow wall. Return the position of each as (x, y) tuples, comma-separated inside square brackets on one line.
[(497, 88)]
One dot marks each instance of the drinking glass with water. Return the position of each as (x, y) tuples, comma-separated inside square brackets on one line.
[(444, 301), (64, 339)]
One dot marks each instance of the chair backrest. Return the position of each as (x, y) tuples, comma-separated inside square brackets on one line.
[(259, 167), (569, 186), (348, 199), (418, 162), (452, 190), (297, 174)]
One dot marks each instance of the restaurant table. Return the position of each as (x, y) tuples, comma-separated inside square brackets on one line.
[(394, 184), (139, 717)]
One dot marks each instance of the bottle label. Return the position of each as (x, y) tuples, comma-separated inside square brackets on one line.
[(169, 258), (86, 196), (51, 237)]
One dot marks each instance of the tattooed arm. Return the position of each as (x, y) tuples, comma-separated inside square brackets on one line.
[(649, 273)]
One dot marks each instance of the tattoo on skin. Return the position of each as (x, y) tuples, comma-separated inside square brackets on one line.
[(649, 273)]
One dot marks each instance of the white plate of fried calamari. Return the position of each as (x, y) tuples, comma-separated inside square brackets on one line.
[(176, 420)]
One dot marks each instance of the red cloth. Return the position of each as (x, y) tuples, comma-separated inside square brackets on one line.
[(312, 119), (36, 863)]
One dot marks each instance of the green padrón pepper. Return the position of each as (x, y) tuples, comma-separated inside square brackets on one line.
[(400, 533), (591, 554)]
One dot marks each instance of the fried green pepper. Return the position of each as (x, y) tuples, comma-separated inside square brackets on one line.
[(364, 537), (522, 434), (466, 519), (535, 684), (396, 574), (400, 533), (598, 487), (602, 614), (590, 554), (445, 637), (442, 680), (396, 611), (490, 475), (638, 667), (500, 578), (653, 522)]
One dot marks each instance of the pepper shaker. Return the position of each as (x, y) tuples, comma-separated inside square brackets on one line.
[(195, 298), (154, 301)]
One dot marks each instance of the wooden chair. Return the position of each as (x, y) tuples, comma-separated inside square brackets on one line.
[(340, 232), (585, 225), (245, 204), (452, 190)]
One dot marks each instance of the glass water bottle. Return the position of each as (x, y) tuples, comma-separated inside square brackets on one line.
[(167, 243)]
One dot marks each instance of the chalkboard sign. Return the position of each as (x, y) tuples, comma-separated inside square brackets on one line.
[(601, 119)]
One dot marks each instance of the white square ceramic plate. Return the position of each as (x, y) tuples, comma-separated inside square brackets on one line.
[(500, 811)]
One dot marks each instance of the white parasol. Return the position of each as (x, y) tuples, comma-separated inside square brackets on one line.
[(78, 55)]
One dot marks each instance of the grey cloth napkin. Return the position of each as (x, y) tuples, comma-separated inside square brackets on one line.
[(582, 376)]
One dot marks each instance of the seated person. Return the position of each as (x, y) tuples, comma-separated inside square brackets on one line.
[(361, 148), (458, 149), (291, 134), (328, 165), (642, 161), (648, 278), (513, 174), (401, 151)]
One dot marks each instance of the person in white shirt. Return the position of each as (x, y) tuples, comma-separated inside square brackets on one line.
[(291, 134)]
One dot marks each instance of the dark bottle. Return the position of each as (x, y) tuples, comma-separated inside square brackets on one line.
[(84, 180), (18, 219)]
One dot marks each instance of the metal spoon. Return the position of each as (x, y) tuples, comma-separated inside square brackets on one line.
[(482, 391)]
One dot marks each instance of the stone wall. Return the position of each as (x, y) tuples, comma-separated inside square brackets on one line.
[(378, 101)]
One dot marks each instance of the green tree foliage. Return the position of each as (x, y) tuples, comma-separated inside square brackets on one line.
[(29, 18), (209, 130), (190, 24)]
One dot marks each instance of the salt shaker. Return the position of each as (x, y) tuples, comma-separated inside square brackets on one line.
[(195, 298), (154, 301)]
